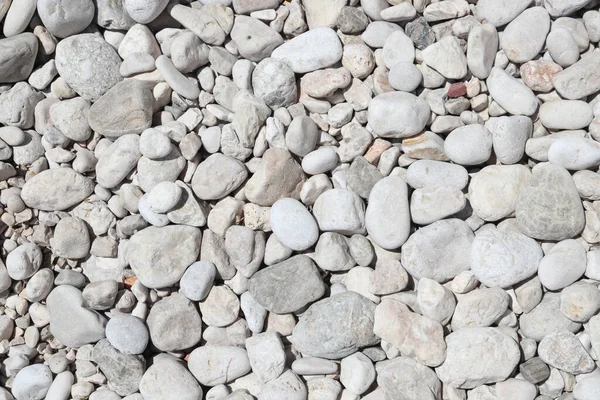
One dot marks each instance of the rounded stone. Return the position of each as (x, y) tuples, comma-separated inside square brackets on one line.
[(127, 333), (275, 83), (398, 115), (293, 224), (64, 18), (174, 323)]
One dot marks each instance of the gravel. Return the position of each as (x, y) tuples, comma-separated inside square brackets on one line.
[(299, 200)]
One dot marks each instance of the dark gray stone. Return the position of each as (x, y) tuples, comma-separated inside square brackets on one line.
[(362, 176), (123, 371), (420, 32), (17, 56), (352, 20), (535, 370)]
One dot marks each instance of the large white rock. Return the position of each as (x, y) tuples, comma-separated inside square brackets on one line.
[(504, 257), (509, 137), (446, 57), (580, 79), (566, 114), (310, 51), (478, 356), (482, 46), (469, 145), (387, 218), (56, 189), (431, 173), (494, 190), (575, 153), (500, 12), (293, 224), (511, 94), (549, 207), (341, 211), (525, 36), (398, 115), (564, 264), (215, 365)]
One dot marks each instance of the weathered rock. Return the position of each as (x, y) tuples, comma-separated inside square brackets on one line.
[(56, 189)]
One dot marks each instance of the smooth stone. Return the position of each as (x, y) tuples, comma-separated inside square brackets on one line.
[(122, 371), (579, 80), (215, 365), (414, 335), (480, 308), (538, 74), (127, 333), (564, 264), (332, 252), (18, 57), (287, 386), (509, 137), (435, 301), (174, 323), (65, 18), (220, 308), (398, 115), (404, 76), (278, 176), (563, 350), (398, 48), (154, 144), (200, 22), (587, 388), (357, 373), (132, 117), (546, 318), (566, 114), (302, 136), (511, 94), (274, 82), (336, 327), (500, 12), (404, 378), (439, 251), (341, 211), (217, 176), (562, 47), (198, 279), (266, 355), (431, 173), (177, 246), (494, 190), (18, 17), (574, 153), (387, 218), (118, 160), (447, 58), (319, 161), (56, 189), (255, 40), (293, 224), (175, 79), (316, 49), (169, 379), (71, 238), (71, 118), (32, 382), (71, 323), (24, 261), (561, 8), (549, 207), (469, 145), (428, 205), (322, 14), (275, 287), (144, 11), (580, 301), (113, 15), (478, 356), (524, 37), (504, 257), (88, 64), (377, 33), (17, 107)]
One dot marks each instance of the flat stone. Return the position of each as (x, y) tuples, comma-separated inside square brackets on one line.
[(56, 189), (316, 49), (415, 336), (323, 332), (133, 115), (564, 351), (405, 378), (524, 37), (217, 176), (71, 322), (566, 114), (580, 79), (123, 371), (549, 207), (546, 318), (447, 58), (160, 256), (564, 264), (494, 190), (341, 211), (293, 224), (169, 379), (18, 57), (278, 176), (88, 64), (574, 153), (511, 94), (118, 160), (430, 173), (215, 365), (174, 323), (478, 356), (390, 193), (127, 334), (255, 40), (480, 308), (439, 251), (398, 48), (398, 115), (275, 287)]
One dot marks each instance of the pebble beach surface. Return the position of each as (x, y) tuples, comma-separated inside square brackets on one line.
[(299, 200)]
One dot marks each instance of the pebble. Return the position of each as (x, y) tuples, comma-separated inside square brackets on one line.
[(521, 39), (469, 348), (144, 11), (341, 211), (574, 153), (398, 115), (569, 83), (321, 333), (65, 18), (504, 257), (564, 351), (580, 301), (127, 333), (287, 213), (285, 297), (439, 251), (32, 382), (169, 379), (197, 280), (24, 261), (174, 324), (88, 64), (446, 57), (403, 376), (310, 51), (215, 365), (549, 211), (511, 94), (266, 355), (562, 265), (469, 145)]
